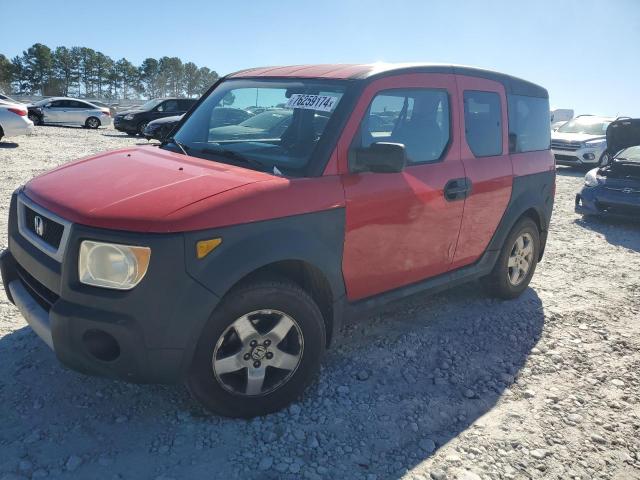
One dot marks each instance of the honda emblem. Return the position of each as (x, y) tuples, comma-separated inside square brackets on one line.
[(38, 225)]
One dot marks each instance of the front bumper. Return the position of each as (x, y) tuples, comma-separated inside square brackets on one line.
[(608, 203), (122, 125), (145, 335), (580, 157)]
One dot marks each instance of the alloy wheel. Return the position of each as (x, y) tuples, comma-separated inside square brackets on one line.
[(258, 353), (520, 259)]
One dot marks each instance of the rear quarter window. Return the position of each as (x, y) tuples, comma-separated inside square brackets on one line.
[(483, 123), (529, 128)]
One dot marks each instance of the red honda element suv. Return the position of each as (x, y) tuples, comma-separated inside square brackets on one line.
[(228, 256)]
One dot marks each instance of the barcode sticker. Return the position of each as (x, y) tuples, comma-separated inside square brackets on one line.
[(323, 103)]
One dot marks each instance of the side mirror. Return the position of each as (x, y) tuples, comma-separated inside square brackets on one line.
[(379, 157)]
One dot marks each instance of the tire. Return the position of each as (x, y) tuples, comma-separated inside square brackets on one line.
[(224, 388), (92, 123), (504, 282), (35, 118), (141, 128)]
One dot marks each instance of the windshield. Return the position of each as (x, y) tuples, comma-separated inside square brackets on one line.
[(588, 125), (280, 139), (631, 154), (151, 103)]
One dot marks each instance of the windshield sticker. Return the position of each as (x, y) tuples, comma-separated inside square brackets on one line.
[(323, 103)]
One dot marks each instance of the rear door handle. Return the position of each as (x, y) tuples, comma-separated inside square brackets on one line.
[(457, 189)]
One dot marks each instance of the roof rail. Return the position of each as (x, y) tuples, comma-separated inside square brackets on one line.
[(623, 118)]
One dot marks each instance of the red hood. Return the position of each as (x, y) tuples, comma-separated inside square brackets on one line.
[(135, 189)]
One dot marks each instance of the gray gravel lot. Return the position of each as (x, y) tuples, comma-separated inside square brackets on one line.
[(455, 385)]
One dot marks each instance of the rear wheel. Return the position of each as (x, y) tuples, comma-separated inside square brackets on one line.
[(259, 350), (517, 261), (92, 122)]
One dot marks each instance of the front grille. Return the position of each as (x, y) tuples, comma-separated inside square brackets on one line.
[(51, 231), (566, 158), (619, 209), (566, 145), (41, 294)]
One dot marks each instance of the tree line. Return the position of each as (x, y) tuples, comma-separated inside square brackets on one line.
[(84, 72)]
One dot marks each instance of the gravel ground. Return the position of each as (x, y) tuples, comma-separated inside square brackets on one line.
[(449, 386)]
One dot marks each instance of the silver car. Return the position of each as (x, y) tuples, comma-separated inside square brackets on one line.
[(13, 120), (69, 111)]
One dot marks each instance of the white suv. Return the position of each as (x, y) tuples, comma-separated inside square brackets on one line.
[(582, 141)]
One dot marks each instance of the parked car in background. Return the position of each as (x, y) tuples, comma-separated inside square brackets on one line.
[(159, 129), (134, 121), (222, 116), (268, 124), (8, 99), (14, 120), (68, 111), (582, 141), (614, 190), (229, 262)]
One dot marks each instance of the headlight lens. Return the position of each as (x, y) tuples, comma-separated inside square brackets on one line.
[(595, 143), (591, 178), (110, 265), (129, 116)]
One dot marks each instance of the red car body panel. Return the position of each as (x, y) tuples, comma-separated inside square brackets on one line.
[(399, 227), (491, 179), (152, 190)]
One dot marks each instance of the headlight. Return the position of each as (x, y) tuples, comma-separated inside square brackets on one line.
[(129, 116), (110, 265), (595, 143), (591, 178)]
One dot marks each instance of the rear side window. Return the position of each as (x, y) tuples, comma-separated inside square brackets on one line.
[(483, 123), (418, 118), (528, 123)]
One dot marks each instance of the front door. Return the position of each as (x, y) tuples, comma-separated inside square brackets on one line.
[(403, 227), (55, 112)]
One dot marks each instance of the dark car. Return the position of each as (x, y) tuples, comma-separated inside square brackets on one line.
[(159, 129), (614, 190), (268, 124), (133, 122)]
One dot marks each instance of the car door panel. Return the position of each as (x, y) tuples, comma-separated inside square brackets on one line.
[(491, 178), (55, 112), (400, 228)]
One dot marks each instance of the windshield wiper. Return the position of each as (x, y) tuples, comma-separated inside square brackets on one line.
[(233, 155), (180, 145)]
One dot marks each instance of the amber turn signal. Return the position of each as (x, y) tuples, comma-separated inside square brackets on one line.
[(205, 247)]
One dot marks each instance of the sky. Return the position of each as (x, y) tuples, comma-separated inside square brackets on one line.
[(585, 52)]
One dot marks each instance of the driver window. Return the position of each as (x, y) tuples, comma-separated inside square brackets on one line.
[(418, 118)]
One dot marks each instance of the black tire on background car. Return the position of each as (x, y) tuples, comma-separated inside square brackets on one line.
[(605, 158), (92, 122), (35, 118), (517, 261), (259, 350), (141, 128)]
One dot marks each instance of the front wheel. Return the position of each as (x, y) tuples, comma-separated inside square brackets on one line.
[(141, 128), (517, 261), (35, 118), (259, 350), (605, 158)]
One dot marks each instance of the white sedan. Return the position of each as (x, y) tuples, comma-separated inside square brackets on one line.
[(14, 120)]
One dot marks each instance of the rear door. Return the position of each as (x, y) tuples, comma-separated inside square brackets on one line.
[(485, 155), (79, 112), (401, 227)]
